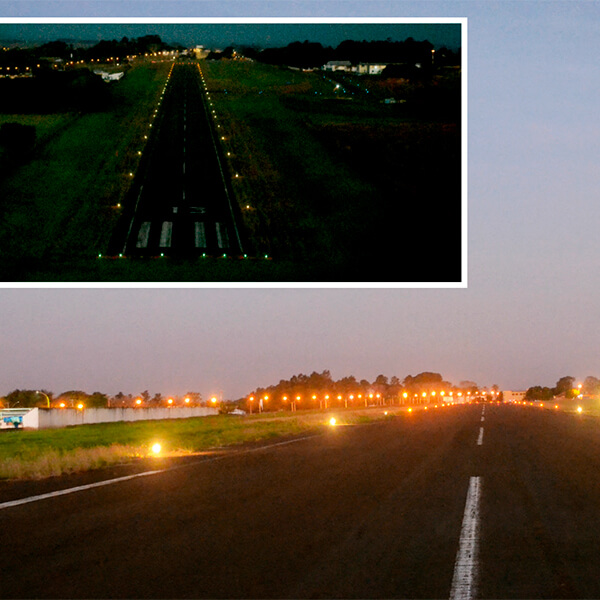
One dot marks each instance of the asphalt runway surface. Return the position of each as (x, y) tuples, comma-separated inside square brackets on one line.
[(180, 203), (460, 502)]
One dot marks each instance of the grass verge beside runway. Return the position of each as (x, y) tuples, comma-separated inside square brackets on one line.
[(61, 203), (51, 452), (339, 180)]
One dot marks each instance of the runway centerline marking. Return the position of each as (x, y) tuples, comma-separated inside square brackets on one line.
[(81, 488), (466, 567), (480, 438)]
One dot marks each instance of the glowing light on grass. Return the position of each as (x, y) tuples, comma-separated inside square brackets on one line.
[(332, 421), (579, 409), (156, 448)]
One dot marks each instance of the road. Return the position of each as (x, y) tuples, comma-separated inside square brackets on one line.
[(371, 511), (180, 202)]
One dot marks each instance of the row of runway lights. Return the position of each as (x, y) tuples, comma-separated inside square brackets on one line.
[(542, 405), (203, 255), (131, 174), (213, 113), (156, 448), (211, 104)]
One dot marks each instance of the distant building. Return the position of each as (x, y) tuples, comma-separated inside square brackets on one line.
[(511, 396), (110, 76), (370, 68), (338, 65)]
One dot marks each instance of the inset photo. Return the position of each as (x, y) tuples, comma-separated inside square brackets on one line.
[(267, 152)]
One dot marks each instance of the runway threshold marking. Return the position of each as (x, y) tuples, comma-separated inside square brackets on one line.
[(466, 566), (81, 488)]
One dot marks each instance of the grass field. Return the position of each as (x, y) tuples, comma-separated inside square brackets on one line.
[(337, 181), (45, 453), (59, 208)]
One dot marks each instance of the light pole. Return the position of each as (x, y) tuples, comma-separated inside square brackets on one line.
[(43, 394)]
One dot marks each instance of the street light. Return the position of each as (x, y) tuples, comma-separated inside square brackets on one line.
[(43, 394)]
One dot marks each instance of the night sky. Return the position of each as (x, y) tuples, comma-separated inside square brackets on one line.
[(529, 315), (222, 35)]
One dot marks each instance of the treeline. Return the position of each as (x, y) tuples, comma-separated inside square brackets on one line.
[(73, 398), (313, 54), (50, 92), (46, 54), (566, 387), (312, 390)]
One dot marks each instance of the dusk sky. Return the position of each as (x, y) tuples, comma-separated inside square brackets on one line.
[(529, 315)]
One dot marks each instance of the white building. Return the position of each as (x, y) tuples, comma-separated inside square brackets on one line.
[(110, 76), (338, 65), (370, 68), (511, 396)]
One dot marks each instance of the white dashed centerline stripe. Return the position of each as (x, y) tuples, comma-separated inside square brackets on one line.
[(466, 567), (480, 438)]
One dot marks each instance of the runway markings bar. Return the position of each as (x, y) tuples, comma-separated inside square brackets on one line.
[(166, 234), (200, 234), (466, 567), (222, 237), (480, 438), (143, 235)]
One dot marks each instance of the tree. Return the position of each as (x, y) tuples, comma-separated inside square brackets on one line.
[(18, 139), (537, 392), (27, 399), (73, 397), (195, 398), (469, 386), (97, 400), (591, 386), (564, 386)]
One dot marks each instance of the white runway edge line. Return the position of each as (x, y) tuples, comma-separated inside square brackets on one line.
[(89, 486), (466, 567)]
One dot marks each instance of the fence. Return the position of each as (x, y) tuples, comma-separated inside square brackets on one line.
[(52, 418)]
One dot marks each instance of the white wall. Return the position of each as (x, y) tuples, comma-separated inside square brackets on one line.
[(49, 418)]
